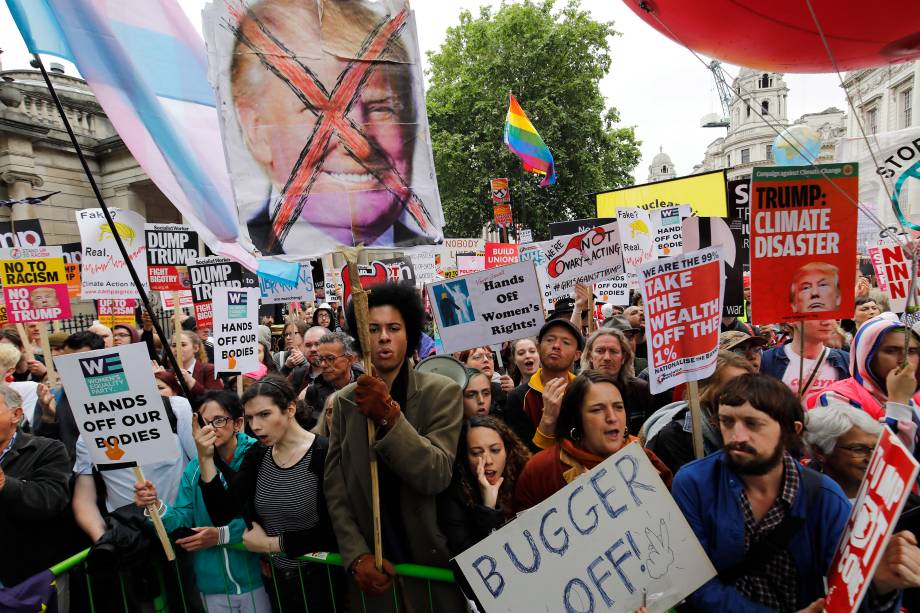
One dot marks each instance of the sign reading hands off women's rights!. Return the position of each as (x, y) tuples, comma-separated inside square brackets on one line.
[(683, 316), (34, 284), (600, 543), (117, 407), (489, 307), (236, 318)]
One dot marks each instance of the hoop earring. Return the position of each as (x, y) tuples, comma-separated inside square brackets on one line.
[(573, 434)]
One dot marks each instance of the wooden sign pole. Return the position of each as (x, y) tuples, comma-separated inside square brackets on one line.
[(154, 513)]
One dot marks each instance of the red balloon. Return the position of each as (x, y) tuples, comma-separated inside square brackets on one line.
[(781, 36)]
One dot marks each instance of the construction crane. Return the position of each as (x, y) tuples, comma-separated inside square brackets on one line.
[(714, 120)]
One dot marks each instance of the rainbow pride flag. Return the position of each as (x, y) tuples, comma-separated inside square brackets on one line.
[(522, 138)]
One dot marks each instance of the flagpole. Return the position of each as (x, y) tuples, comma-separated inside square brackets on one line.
[(37, 63)]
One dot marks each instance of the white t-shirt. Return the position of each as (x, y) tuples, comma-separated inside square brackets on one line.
[(165, 476), (28, 391), (825, 376)]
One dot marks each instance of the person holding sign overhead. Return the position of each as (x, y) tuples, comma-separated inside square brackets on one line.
[(591, 427)]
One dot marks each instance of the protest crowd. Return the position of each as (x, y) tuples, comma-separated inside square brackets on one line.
[(706, 398)]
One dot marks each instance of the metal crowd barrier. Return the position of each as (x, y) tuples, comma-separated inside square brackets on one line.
[(160, 605)]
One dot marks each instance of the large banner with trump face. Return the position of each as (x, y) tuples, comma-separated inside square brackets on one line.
[(324, 124)]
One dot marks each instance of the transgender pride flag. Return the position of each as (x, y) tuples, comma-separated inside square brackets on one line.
[(147, 67)]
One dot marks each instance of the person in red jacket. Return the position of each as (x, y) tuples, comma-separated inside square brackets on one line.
[(591, 427)]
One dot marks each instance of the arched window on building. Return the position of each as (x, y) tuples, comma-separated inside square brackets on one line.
[(765, 107), (764, 81)]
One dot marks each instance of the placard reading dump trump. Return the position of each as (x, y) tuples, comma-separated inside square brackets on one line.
[(598, 544), (116, 405)]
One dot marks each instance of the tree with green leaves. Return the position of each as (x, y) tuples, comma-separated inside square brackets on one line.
[(552, 60)]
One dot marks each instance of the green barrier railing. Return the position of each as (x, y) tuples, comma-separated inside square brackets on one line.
[(330, 560)]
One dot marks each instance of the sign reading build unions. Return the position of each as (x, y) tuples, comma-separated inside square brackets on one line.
[(116, 405), (34, 284)]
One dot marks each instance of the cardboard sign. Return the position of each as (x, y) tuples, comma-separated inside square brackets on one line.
[(636, 238), (892, 268), (103, 272), (488, 307), (185, 300), (614, 291), (683, 314), (502, 216), (452, 246), (274, 292), (169, 247), (73, 254), (117, 407), (536, 253), (599, 543), (236, 320), (668, 234), (119, 311), (577, 226), (210, 272), (34, 284), (500, 190), (425, 264), (803, 242), (584, 258), (21, 233), (501, 254), (703, 193), (469, 264), (891, 474), (525, 236)]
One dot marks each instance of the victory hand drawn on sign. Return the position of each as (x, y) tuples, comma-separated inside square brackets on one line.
[(660, 555)]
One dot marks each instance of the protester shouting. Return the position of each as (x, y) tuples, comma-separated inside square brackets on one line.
[(278, 490), (771, 526), (592, 426), (533, 406), (228, 580), (477, 395), (490, 458), (525, 360), (823, 366), (417, 418)]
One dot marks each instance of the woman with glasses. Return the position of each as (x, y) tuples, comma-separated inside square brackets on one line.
[(225, 577), (123, 334)]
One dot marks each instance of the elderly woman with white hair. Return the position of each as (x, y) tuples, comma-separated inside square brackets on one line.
[(841, 439)]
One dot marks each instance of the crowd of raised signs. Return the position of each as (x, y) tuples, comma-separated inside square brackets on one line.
[(790, 419)]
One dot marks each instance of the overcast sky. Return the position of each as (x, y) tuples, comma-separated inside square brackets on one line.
[(658, 86)]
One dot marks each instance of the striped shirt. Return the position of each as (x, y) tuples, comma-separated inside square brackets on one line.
[(286, 500)]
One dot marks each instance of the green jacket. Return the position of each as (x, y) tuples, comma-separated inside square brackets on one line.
[(218, 570)]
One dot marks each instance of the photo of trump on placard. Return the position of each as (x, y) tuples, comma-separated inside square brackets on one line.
[(324, 125), (815, 288)]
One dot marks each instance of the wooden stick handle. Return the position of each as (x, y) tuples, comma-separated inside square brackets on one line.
[(696, 418), (26, 342), (46, 349), (154, 513), (177, 317)]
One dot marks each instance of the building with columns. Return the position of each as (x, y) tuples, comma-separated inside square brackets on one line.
[(37, 157)]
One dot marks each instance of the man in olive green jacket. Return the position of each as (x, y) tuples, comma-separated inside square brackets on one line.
[(417, 418)]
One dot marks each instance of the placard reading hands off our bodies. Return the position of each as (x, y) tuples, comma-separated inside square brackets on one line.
[(610, 538)]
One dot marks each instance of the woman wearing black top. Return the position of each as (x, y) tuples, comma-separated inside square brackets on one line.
[(278, 491)]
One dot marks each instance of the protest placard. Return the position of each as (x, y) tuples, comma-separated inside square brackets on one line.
[(584, 258), (892, 268), (390, 270), (185, 300), (614, 291), (425, 264), (169, 247), (117, 407), (274, 292), (452, 246), (72, 253), (116, 311), (236, 319), (21, 233), (502, 215), (525, 235), (103, 272), (683, 314), (488, 307), (605, 541), (667, 230), (577, 226), (501, 254), (536, 253), (499, 190), (210, 272), (467, 264), (638, 245), (803, 242), (891, 474), (34, 284), (703, 193)]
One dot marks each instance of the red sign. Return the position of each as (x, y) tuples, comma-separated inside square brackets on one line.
[(891, 473), (72, 272), (502, 215), (501, 254), (500, 191), (116, 311), (892, 268), (395, 270), (683, 314), (803, 242)]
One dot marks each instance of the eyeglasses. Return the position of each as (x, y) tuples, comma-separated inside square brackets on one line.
[(329, 359), (747, 350), (220, 422), (122, 335), (858, 450)]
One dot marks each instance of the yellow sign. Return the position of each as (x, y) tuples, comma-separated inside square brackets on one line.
[(704, 193)]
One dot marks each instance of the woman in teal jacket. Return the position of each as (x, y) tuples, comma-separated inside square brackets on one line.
[(229, 580)]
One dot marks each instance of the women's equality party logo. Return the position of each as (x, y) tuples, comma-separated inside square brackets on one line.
[(104, 375)]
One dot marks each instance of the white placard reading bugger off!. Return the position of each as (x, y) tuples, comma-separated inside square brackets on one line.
[(488, 307), (117, 407), (595, 545)]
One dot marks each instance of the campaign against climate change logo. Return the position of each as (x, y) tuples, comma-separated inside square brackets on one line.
[(236, 320), (34, 284), (117, 407)]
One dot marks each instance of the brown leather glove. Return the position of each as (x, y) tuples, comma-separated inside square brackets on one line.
[(374, 401), (372, 581)]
